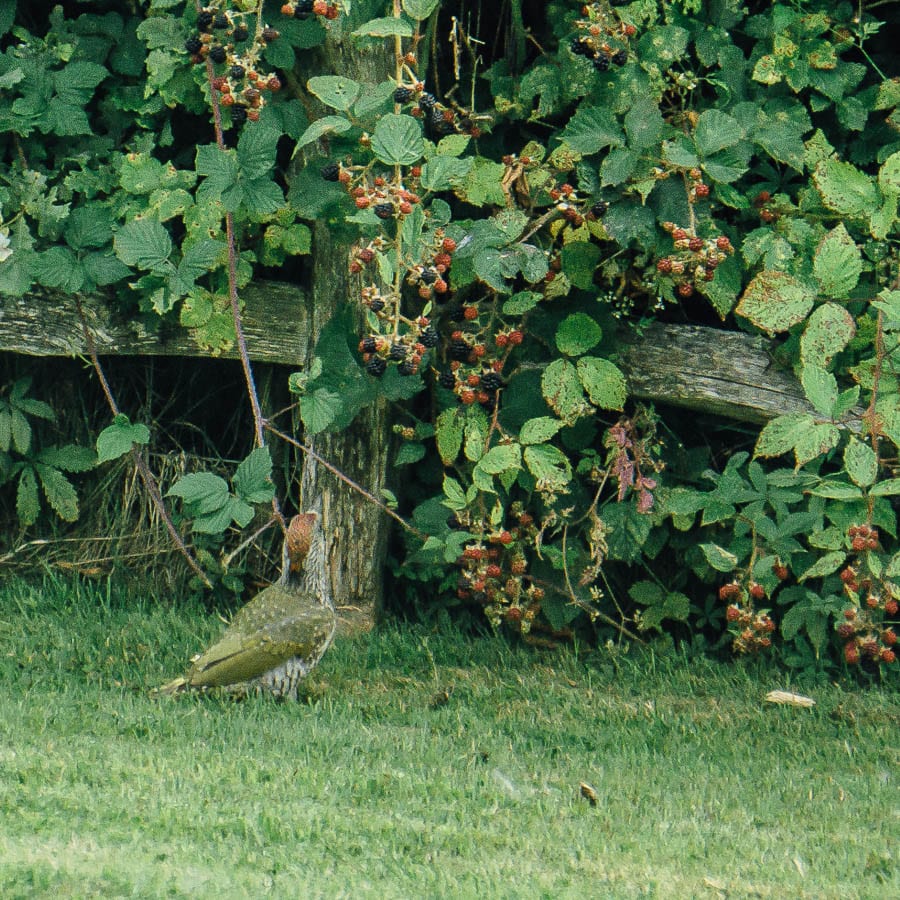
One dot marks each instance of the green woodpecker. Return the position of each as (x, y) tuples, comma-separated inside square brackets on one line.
[(281, 634)]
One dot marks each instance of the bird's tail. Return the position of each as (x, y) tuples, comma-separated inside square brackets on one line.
[(170, 689)]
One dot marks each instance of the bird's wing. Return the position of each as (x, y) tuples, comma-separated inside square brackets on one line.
[(244, 655)]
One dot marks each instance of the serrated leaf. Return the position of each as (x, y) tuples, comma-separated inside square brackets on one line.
[(820, 388), (798, 432), (59, 492), (143, 243), (335, 91), (208, 492), (591, 129), (579, 262), (501, 458), (116, 440), (577, 334), (844, 188), (420, 9), (319, 409), (410, 452), (836, 490), (860, 462), (520, 303), (715, 130), (829, 329), (774, 301), (888, 488), (69, 458), (825, 565), (837, 263), (549, 465), (384, 27), (21, 432), (719, 558), (449, 435), (604, 382), (397, 140), (58, 267), (5, 431), (539, 430), (28, 504), (562, 390), (321, 127), (253, 477)]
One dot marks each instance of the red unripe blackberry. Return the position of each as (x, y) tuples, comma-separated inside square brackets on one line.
[(845, 630), (514, 614), (890, 607), (493, 571), (872, 601), (505, 538), (889, 637), (448, 245), (695, 244), (851, 653), (473, 380), (730, 591), (664, 265), (859, 543), (888, 656), (685, 290), (443, 259), (320, 7), (501, 339), (332, 12), (470, 312), (871, 648), (467, 396), (847, 575), (630, 30), (287, 9), (780, 571), (850, 614), (440, 286), (362, 202), (253, 115), (701, 190), (732, 614), (516, 337), (723, 243), (679, 234)]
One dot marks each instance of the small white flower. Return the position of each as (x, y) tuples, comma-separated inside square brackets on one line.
[(5, 251)]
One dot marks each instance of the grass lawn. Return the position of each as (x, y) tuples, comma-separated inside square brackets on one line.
[(378, 785)]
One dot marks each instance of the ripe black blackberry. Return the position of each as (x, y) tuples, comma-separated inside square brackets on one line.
[(601, 62), (429, 276), (620, 57), (376, 305), (269, 35), (384, 210), (447, 380), (599, 208), (376, 366), (238, 115), (579, 47), (398, 351), (205, 20), (193, 45), (491, 381), (403, 94), (331, 171), (459, 349), (240, 33), (217, 54), (429, 337), (303, 9), (457, 314), (367, 345), (427, 101), (236, 71), (221, 21), (407, 367)]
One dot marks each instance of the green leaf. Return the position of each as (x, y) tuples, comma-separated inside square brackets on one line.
[(253, 478), (59, 492), (256, 151), (501, 458), (860, 462), (844, 188), (618, 166), (888, 488), (539, 430), (454, 494), (384, 27), (579, 263), (644, 124), (28, 504), (410, 452), (604, 382), (720, 559), (825, 565), (335, 91), (562, 390), (591, 129), (836, 490), (837, 263), (116, 440), (520, 303), (798, 432), (321, 127), (143, 243), (397, 140), (21, 431), (774, 301), (577, 334), (549, 465), (828, 331), (5, 430), (716, 130), (319, 409), (820, 388), (58, 267), (220, 170), (420, 9), (449, 434), (69, 458), (208, 492)]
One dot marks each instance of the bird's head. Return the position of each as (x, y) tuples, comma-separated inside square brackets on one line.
[(300, 537)]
